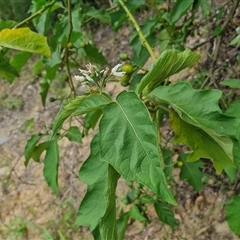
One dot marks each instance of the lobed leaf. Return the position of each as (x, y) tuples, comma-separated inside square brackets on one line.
[(129, 143), (24, 39), (169, 63), (200, 109)]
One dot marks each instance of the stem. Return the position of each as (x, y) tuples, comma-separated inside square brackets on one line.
[(39, 12), (159, 140), (70, 27), (142, 37)]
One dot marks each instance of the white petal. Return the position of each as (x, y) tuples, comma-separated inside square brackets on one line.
[(116, 68), (79, 78), (118, 74)]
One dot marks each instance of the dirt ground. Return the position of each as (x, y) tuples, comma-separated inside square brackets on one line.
[(28, 207)]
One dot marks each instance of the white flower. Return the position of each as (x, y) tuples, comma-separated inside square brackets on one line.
[(115, 72), (79, 78)]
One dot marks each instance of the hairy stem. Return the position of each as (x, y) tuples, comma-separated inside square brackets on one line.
[(142, 37)]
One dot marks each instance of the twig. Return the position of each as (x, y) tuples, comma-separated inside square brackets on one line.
[(39, 12), (224, 26), (70, 27), (142, 37)]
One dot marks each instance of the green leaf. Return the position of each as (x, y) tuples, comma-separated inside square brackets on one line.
[(7, 71), (44, 87), (136, 214), (92, 103), (169, 63), (80, 104), (24, 39), (39, 150), (233, 109), (168, 162), (201, 144), (233, 83), (122, 223), (7, 24), (94, 55), (129, 143), (191, 172), (233, 214), (50, 170), (100, 14), (94, 173), (30, 146), (108, 224), (179, 10), (18, 61), (231, 172), (165, 214), (197, 4), (74, 134), (200, 109), (217, 31)]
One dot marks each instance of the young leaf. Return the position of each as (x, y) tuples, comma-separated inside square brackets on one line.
[(136, 214), (233, 83), (191, 172), (94, 173), (44, 87), (108, 224), (74, 134), (201, 144), (233, 214), (24, 39), (179, 10), (200, 108), (50, 170), (129, 143), (169, 63), (30, 146), (165, 214)]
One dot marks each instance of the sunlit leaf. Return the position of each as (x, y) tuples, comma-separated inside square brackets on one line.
[(169, 63), (129, 143), (24, 39)]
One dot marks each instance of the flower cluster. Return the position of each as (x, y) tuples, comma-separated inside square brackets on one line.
[(94, 77)]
